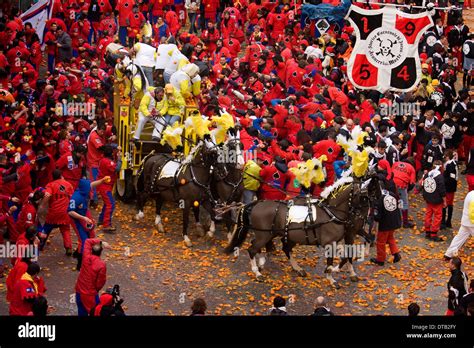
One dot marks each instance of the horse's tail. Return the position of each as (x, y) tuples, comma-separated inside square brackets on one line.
[(141, 174), (241, 228)]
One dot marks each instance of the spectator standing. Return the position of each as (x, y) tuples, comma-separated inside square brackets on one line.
[(92, 276), (457, 285), (320, 309), (279, 308)]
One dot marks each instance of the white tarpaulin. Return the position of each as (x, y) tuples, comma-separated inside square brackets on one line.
[(38, 15)]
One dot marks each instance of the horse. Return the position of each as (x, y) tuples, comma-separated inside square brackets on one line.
[(227, 185), (188, 184), (337, 217), (370, 193)]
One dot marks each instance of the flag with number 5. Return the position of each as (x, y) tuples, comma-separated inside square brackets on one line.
[(385, 56)]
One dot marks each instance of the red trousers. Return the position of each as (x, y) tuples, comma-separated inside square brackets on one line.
[(467, 143), (109, 205), (470, 182), (384, 238), (450, 198), (419, 156), (433, 217)]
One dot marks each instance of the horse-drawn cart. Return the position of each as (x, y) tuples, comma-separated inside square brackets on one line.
[(125, 116)]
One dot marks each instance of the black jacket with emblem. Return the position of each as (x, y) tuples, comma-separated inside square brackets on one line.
[(437, 196), (431, 154), (392, 155), (450, 176), (387, 212)]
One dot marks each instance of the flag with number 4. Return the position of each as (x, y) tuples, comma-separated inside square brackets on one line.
[(385, 56)]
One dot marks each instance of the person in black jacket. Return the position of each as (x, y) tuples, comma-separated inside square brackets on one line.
[(466, 301), (279, 306), (457, 285), (432, 152), (393, 151), (320, 309), (450, 130), (434, 193), (387, 214), (450, 175)]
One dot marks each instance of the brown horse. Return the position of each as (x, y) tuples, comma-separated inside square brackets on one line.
[(189, 185), (227, 185), (339, 217)]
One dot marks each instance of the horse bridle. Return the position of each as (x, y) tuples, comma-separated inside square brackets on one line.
[(224, 179)]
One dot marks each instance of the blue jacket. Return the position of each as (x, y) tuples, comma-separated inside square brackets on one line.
[(79, 201)]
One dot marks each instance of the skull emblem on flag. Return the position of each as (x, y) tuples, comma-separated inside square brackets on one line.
[(385, 56)]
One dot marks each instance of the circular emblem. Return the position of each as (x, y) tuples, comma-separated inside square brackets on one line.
[(386, 48), (429, 184), (437, 97), (431, 40), (447, 131), (29, 217), (390, 203), (466, 49)]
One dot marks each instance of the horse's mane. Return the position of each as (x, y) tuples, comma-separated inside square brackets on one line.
[(192, 153), (342, 181)]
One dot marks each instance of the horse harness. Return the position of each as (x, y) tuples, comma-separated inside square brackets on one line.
[(312, 226), (182, 168)]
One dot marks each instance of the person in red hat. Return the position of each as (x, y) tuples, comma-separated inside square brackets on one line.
[(26, 290)]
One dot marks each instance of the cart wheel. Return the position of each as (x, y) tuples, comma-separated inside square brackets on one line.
[(125, 188)]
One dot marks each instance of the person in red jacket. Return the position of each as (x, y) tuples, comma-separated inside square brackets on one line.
[(108, 167), (274, 178), (79, 29), (331, 149), (19, 268), (277, 22), (210, 36), (107, 26), (228, 25), (72, 165), (135, 22), (92, 276), (95, 141), (172, 19), (28, 212), (53, 211), (404, 177), (26, 290), (26, 245)]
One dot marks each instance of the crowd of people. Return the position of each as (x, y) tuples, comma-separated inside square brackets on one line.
[(284, 83)]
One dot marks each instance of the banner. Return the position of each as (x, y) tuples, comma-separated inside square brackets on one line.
[(38, 15), (385, 56)]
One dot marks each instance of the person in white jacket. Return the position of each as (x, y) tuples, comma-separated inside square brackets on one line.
[(145, 57), (467, 227)]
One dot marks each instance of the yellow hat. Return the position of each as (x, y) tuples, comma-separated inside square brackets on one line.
[(425, 66), (435, 83), (169, 88)]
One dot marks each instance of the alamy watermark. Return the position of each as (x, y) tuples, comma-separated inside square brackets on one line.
[(236, 156), (75, 109), (355, 251), (400, 109), (10, 250)]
